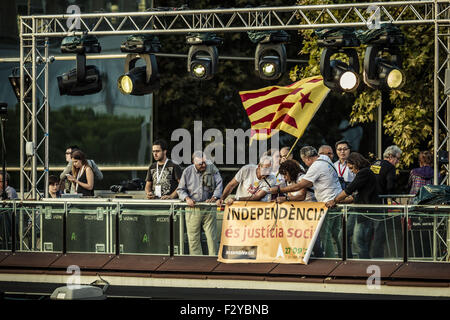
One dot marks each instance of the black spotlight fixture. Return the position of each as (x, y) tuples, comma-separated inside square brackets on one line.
[(141, 80), (270, 54), (203, 56), (338, 75), (83, 79), (14, 80), (382, 60)]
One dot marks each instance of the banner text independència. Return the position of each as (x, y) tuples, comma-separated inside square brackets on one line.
[(270, 213)]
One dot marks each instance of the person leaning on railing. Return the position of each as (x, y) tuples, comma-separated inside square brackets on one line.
[(200, 182), (362, 190), (385, 173)]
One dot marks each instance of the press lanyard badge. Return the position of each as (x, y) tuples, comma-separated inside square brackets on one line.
[(158, 190)]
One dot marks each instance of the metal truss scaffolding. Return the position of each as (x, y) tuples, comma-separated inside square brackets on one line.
[(36, 30)]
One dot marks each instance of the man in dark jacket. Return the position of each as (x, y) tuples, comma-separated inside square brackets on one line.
[(385, 176)]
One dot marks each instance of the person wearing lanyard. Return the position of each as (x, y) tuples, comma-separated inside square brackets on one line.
[(346, 176), (84, 181), (163, 175)]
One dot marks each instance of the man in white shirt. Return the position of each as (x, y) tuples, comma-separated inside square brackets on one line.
[(323, 177), (326, 150), (253, 183), (276, 161)]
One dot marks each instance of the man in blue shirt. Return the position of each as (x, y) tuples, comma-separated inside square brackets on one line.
[(200, 182)]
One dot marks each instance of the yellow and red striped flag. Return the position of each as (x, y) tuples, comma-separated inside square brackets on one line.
[(289, 108)]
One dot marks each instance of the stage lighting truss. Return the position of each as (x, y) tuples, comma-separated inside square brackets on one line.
[(82, 80), (203, 56), (338, 75), (140, 80), (270, 53)]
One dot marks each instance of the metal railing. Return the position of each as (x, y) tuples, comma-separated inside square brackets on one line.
[(130, 226)]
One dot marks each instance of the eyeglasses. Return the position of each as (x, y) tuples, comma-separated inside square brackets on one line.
[(68, 152), (342, 149), (200, 163)]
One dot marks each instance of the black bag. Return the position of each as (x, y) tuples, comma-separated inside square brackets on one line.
[(431, 194), (129, 185)]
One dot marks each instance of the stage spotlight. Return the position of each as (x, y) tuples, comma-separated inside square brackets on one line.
[(270, 67), (203, 56), (202, 68), (14, 80), (382, 60), (82, 80), (270, 54), (338, 75), (383, 73), (138, 81)]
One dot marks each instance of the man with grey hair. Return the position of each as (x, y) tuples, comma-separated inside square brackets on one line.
[(200, 182), (326, 150), (385, 173), (253, 183), (285, 155), (385, 169), (321, 175)]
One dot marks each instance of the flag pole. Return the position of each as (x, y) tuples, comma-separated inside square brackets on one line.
[(292, 148)]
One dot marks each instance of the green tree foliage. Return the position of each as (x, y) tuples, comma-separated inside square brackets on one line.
[(408, 116)]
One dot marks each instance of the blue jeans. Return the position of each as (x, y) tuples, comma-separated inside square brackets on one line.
[(363, 237), (331, 230), (351, 222), (379, 238)]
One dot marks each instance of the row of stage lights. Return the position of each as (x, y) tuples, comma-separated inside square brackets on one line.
[(382, 61), (270, 61)]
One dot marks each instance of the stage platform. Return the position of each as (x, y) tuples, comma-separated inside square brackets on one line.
[(202, 277)]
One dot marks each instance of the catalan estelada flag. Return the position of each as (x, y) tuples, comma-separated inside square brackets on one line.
[(288, 108)]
